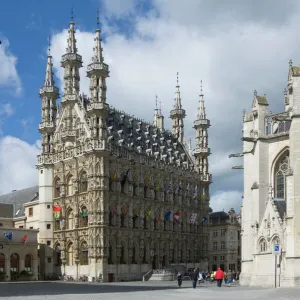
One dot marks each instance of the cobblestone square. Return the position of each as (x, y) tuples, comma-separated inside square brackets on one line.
[(137, 291)]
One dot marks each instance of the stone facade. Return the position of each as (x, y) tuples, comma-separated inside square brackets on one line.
[(128, 196), (224, 241), (18, 248), (271, 189)]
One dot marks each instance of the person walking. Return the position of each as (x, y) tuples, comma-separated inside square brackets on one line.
[(229, 278), (219, 277), (194, 278)]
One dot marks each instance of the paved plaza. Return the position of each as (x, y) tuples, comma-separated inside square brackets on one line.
[(137, 291)]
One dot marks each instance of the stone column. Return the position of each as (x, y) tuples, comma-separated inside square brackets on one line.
[(7, 269)]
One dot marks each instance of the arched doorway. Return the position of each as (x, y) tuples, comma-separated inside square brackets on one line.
[(164, 261), (154, 262)]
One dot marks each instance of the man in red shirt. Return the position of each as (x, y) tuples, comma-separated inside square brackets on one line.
[(219, 277)]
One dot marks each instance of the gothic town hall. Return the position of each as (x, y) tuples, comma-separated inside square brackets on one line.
[(117, 196)]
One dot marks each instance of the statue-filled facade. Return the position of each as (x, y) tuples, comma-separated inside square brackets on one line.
[(127, 196)]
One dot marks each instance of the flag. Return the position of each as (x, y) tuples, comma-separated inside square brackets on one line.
[(177, 217), (149, 215), (179, 188), (125, 211), (195, 192), (188, 188), (56, 211), (193, 218), (203, 220), (167, 215), (114, 177), (125, 176), (114, 209), (136, 212), (169, 187), (84, 214), (25, 238), (157, 187), (8, 235)]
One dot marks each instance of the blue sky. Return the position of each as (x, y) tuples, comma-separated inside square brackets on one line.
[(233, 51)]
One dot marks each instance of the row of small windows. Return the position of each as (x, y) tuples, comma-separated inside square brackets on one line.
[(15, 263), (83, 185)]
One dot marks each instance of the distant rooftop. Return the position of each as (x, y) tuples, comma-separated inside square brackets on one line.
[(18, 198)]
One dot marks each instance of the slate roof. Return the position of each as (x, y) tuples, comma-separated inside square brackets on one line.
[(281, 206), (18, 198), (219, 215), (134, 134), (6, 210)]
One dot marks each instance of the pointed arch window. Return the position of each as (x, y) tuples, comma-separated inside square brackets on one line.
[(57, 188), (70, 217), (263, 245), (84, 254), (70, 255), (70, 186), (281, 169), (110, 255), (83, 182)]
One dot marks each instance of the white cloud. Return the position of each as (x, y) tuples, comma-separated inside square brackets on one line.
[(225, 200), (6, 110), (232, 52), (17, 164), (8, 76), (119, 8)]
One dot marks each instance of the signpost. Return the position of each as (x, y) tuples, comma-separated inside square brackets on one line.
[(277, 252)]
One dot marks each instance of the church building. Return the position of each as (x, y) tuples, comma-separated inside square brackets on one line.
[(271, 190), (127, 196)]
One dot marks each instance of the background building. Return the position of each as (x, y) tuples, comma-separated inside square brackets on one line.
[(224, 241), (18, 246)]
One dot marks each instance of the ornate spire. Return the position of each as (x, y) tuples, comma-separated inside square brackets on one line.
[(49, 81), (201, 112), (156, 111), (71, 40), (177, 104), (158, 117), (98, 56)]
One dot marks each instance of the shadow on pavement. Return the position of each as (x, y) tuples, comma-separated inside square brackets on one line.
[(51, 288)]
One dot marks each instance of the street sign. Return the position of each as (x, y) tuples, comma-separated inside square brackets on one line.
[(277, 249)]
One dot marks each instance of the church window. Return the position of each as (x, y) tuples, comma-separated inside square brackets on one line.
[(84, 254), (70, 186), (263, 245), (57, 188), (83, 182), (281, 169)]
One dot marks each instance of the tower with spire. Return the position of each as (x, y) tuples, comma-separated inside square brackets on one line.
[(202, 151), (71, 62), (98, 71), (177, 115), (49, 93)]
